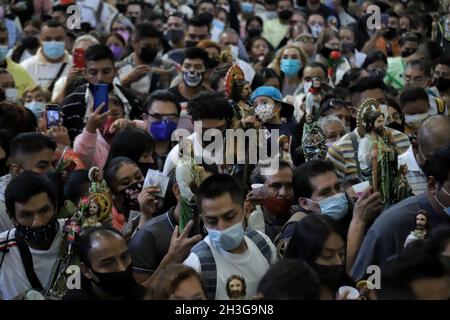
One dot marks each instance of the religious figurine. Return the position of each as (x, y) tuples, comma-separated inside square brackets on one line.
[(285, 148), (377, 153), (364, 291), (313, 97), (313, 140), (421, 228), (92, 215), (402, 189)]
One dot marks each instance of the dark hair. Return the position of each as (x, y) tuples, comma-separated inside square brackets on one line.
[(84, 244), (141, 140), (302, 175), (73, 187), (257, 177), (26, 185), (30, 143), (99, 52), (53, 23), (236, 277), (13, 117), (445, 60), (217, 74), (330, 103), (111, 168), (167, 280), (367, 83), (349, 77), (146, 30), (5, 139), (309, 237), (316, 64), (210, 106), (218, 185), (414, 263), (196, 53), (164, 96), (290, 279), (254, 18), (438, 165), (196, 22), (412, 94), (424, 66), (373, 57), (269, 73), (431, 49)]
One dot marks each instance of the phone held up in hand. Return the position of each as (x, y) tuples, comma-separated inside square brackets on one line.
[(101, 91), (53, 115)]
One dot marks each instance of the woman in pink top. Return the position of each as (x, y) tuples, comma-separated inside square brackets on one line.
[(93, 144)]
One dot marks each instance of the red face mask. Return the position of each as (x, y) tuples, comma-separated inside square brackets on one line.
[(277, 206)]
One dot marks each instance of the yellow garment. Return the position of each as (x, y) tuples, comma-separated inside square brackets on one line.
[(21, 77), (274, 31)]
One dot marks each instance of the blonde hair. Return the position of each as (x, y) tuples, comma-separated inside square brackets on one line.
[(47, 95), (276, 62)]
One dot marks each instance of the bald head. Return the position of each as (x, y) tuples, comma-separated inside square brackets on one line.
[(433, 134)]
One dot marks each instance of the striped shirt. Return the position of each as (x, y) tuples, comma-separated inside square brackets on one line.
[(342, 154), (416, 178)]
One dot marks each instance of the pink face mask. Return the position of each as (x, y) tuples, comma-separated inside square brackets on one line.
[(125, 35)]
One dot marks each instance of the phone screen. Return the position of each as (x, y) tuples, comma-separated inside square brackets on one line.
[(101, 91), (78, 59), (52, 118)]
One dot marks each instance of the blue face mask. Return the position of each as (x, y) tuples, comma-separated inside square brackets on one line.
[(36, 107), (335, 207), (218, 24), (162, 130), (227, 239), (247, 7), (54, 49), (290, 67), (3, 52)]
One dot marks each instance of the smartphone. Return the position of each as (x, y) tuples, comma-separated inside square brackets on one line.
[(384, 19), (101, 91), (53, 115), (78, 58)]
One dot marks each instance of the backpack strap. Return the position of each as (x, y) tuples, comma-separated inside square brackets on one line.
[(355, 153), (58, 75), (261, 243), (27, 261), (208, 264)]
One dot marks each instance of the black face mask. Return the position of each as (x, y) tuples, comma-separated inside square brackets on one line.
[(174, 35), (442, 84), (402, 31), (326, 52), (206, 16), (285, 14), (391, 33), (191, 43), (396, 126), (121, 7), (330, 276), (148, 54), (119, 283), (30, 42), (132, 20), (347, 47), (39, 235), (408, 52), (253, 32), (130, 196)]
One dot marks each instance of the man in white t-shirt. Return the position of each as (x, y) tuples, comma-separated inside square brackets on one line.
[(51, 60), (34, 243), (228, 251)]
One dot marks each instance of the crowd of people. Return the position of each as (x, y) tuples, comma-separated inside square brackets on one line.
[(350, 200)]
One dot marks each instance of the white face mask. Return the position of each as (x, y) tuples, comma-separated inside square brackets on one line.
[(414, 121), (307, 86), (11, 94), (264, 112), (316, 29)]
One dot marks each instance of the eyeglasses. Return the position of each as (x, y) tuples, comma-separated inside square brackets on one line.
[(305, 39)]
